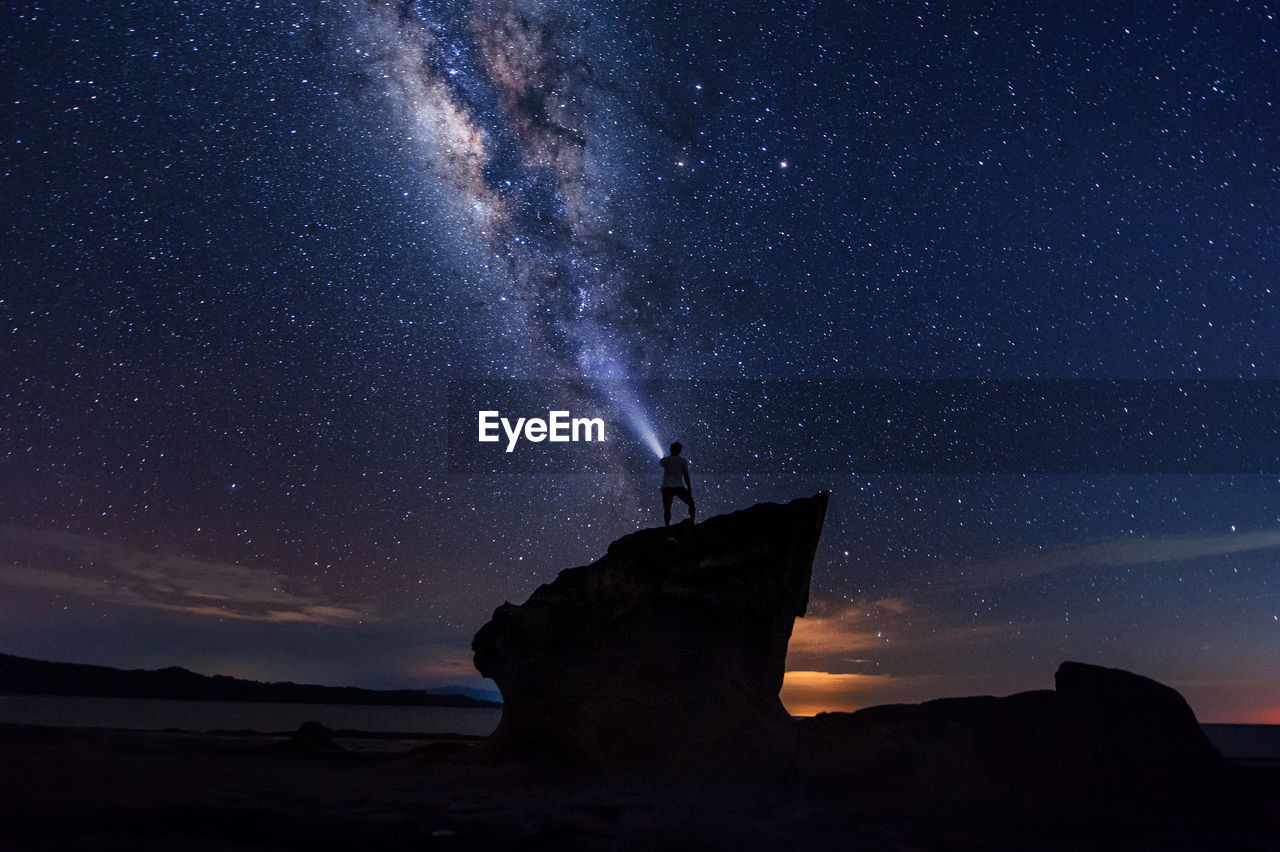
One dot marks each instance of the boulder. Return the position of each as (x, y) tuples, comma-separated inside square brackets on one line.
[(667, 651), (1103, 735), (1136, 737), (310, 740)]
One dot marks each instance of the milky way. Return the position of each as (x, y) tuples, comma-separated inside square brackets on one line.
[(251, 249), (520, 128)]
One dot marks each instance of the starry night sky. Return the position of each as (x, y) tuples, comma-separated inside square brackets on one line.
[(252, 248)]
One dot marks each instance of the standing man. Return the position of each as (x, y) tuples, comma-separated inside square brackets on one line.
[(676, 482)]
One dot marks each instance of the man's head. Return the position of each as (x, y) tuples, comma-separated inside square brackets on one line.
[(676, 448)]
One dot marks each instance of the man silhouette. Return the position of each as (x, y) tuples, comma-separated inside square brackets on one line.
[(676, 482)]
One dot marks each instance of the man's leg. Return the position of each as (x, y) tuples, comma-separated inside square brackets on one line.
[(687, 496), (666, 506)]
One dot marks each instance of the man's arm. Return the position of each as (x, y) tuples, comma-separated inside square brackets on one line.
[(688, 483)]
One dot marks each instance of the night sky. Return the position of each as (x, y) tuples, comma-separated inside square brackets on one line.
[(252, 250)]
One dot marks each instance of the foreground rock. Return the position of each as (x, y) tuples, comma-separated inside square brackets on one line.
[(668, 651), (1103, 735)]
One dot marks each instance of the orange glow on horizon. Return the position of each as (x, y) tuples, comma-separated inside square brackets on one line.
[(808, 693)]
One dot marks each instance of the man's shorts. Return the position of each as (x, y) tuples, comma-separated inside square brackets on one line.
[(683, 493)]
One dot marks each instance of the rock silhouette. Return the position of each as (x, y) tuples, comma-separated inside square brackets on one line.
[(1103, 735), (669, 650), (311, 738)]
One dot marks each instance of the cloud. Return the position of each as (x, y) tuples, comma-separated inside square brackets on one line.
[(838, 633), (109, 573), (843, 635), (1137, 550), (891, 636)]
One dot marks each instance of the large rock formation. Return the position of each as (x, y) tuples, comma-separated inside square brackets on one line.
[(669, 650), (1103, 735)]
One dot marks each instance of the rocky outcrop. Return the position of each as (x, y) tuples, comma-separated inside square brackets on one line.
[(311, 739), (1101, 735), (667, 651)]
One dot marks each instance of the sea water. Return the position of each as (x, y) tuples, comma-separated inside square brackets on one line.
[(157, 714)]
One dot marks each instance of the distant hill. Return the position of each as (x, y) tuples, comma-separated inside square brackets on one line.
[(39, 677), (471, 692)]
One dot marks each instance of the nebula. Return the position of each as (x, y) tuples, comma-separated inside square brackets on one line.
[(505, 113)]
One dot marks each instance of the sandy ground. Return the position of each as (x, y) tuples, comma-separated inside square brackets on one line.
[(91, 789)]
